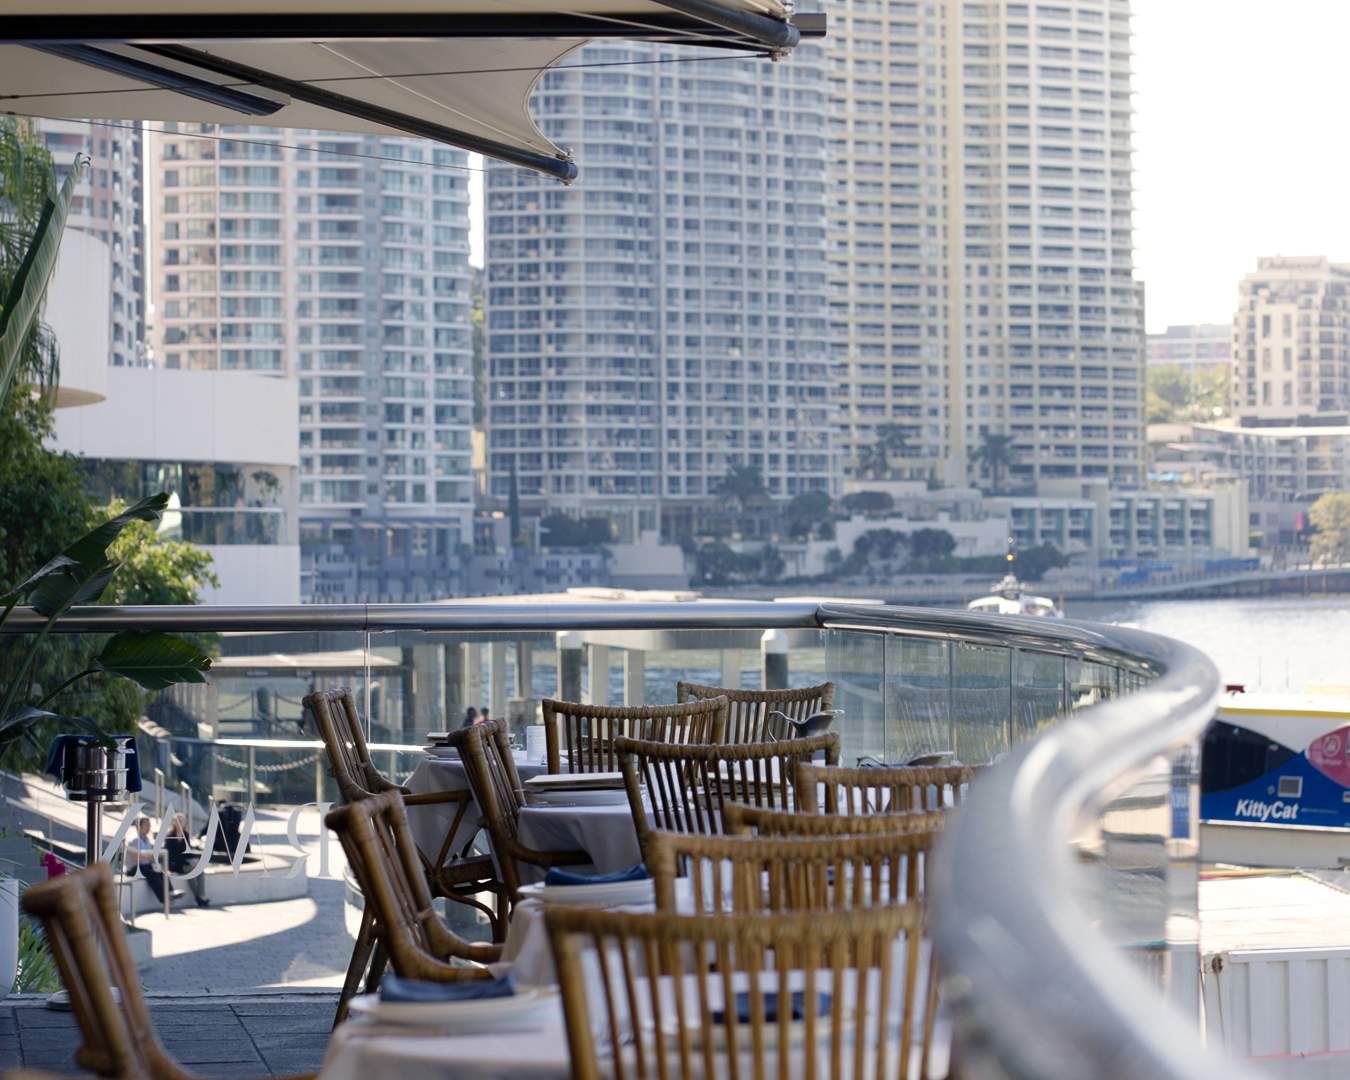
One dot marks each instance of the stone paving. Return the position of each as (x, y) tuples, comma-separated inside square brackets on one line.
[(242, 1036)]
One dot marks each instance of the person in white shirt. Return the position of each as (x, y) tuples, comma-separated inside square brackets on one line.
[(142, 850)]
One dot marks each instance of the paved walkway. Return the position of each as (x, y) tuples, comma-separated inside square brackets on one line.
[(251, 1035)]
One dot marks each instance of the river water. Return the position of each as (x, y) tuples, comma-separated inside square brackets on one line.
[(1267, 643)]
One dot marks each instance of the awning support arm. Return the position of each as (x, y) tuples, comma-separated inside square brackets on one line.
[(563, 169)]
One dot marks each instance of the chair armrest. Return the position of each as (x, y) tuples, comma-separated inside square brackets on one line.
[(548, 859), (430, 798)]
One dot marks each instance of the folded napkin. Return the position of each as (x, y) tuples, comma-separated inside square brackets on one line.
[(743, 1010), (559, 876), (418, 992)]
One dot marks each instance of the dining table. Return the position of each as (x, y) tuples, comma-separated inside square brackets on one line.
[(442, 770)]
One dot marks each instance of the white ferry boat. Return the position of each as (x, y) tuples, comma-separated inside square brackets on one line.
[(1011, 598)]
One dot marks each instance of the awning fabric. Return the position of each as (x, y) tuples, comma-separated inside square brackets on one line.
[(456, 71)]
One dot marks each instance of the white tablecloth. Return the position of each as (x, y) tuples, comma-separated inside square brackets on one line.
[(538, 1053), (439, 773)]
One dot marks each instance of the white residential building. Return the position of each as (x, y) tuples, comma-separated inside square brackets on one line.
[(980, 236), (109, 204), (666, 318), (1291, 341), (343, 267)]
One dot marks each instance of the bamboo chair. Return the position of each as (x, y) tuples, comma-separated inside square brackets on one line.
[(78, 912), (763, 874), (457, 876), (738, 819), (383, 857), (688, 785), (658, 1001), (748, 717), (587, 732), (496, 786), (894, 790)]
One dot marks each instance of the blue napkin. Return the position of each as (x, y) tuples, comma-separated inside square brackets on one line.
[(418, 992), (56, 756), (743, 1011), (559, 876)]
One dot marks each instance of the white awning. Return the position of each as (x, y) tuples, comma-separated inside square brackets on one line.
[(455, 71)]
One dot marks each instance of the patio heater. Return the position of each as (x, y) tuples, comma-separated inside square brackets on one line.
[(95, 773)]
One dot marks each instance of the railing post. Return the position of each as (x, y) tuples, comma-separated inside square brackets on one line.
[(159, 794), (773, 650), (318, 778), (251, 779), (186, 793)]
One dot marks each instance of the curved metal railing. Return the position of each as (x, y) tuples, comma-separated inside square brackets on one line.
[(1042, 988)]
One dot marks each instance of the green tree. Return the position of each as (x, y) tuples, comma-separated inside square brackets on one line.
[(994, 455), (1330, 520), (562, 531), (806, 512), (931, 543), (874, 459), (1177, 393), (744, 483), (868, 502), (153, 570)]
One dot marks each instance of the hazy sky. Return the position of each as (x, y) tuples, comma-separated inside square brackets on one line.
[(1241, 148)]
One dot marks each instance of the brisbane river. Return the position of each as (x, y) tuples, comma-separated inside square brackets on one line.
[(1267, 643)]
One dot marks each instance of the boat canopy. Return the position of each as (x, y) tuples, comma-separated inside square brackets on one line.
[(459, 72)]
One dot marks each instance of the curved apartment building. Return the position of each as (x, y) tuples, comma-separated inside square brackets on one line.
[(665, 319)]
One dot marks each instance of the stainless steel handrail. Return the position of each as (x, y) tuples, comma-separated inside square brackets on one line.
[(1043, 993), (453, 616)]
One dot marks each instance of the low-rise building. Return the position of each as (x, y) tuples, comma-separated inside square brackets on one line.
[(222, 444), (1195, 345)]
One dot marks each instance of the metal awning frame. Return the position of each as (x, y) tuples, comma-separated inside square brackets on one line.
[(166, 62)]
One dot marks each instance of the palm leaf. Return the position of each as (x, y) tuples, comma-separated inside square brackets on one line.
[(86, 556), (29, 286), (152, 659)]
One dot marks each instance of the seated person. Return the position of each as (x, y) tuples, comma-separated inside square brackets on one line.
[(182, 858), (142, 851)]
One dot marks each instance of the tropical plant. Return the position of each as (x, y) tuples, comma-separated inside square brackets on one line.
[(868, 502), (38, 973), (32, 219), (1330, 520), (874, 459), (994, 455), (806, 512), (81, 574), (744, 483)]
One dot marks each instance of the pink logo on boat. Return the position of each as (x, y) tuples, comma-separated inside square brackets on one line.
[(1327, 754)]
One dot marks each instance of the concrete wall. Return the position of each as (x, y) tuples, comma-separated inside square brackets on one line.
[(223, 417), (156, 415), (77, 308)]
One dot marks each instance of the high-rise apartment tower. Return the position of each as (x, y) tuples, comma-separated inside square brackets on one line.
[(343, 266), (980, 237), (665, 319)]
